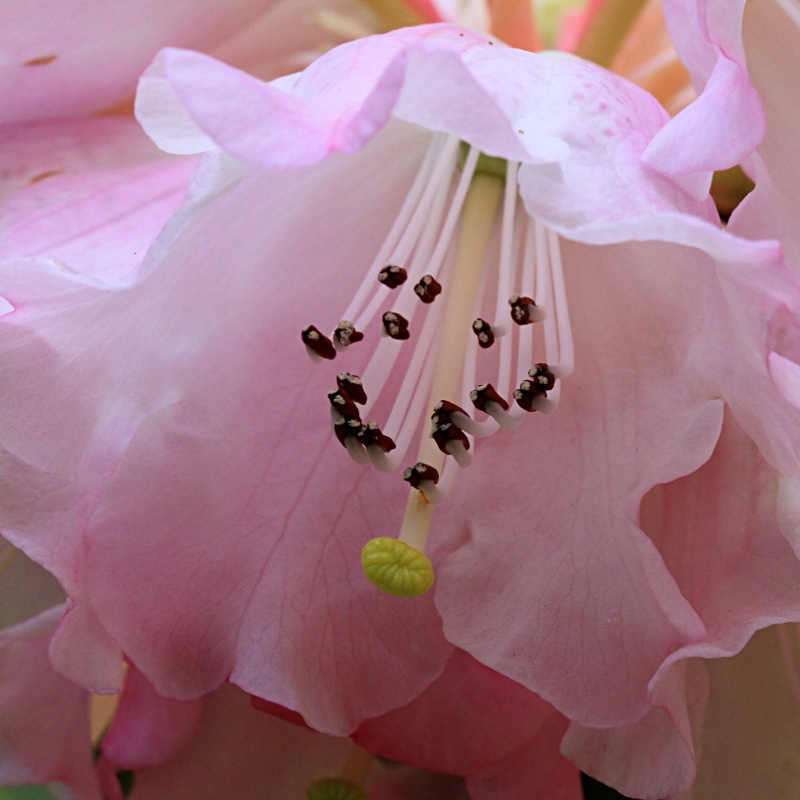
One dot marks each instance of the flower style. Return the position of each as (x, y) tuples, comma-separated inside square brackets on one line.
[(167, 447)]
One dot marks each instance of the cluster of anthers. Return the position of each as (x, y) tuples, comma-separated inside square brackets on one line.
[(444, 243)]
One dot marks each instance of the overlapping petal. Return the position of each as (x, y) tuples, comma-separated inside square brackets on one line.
[(726, 122)]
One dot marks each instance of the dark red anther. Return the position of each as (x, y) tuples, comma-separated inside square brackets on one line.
[(483, 330), (428, 289), (395, 325), (319, 344), (372, 434), (541, 375), (539, 383), (392, 276), (353, 386), (343, 404), (521, 309), (345, 428), (443, 429), (486, 393), (421, 472), (346, 334)]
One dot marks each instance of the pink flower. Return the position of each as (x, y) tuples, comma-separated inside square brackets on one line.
[(167, 450)]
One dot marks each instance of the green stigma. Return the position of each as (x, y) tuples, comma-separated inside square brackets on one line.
[(335, 789), (397, 568)]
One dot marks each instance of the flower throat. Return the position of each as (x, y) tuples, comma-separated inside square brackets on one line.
[(468, 315)]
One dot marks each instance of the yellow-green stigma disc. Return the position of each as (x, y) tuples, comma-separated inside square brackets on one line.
[(335, 789), (397, 568)]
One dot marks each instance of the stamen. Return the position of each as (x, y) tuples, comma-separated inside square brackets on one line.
[(484, 394), (483, 330), (343, 405), (317, 345), (353, 386), (532, 393), (424, 478), (346, 334), (428, 289), (524, 310), (395, 325), (444, 429), (371, 435), (392, 277), (347, 431)]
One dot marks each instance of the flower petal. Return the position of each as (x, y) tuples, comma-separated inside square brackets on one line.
[(652, 758), (147, 729), (92, 194), (44, 719), (67, 60), (536, 769), (441, 732), (573, 581), (726, 122), (207, 368)]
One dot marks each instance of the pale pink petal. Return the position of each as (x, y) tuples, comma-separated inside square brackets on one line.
[(652, 758), (209, 370), (467, 719), (718, 533), (559, 589), (92, 194), (726, 122), (536, 769), (147, 729), (44, 719), (583, 164), (67, 59)]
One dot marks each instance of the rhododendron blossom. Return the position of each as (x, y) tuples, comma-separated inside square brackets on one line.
[(517, 296)]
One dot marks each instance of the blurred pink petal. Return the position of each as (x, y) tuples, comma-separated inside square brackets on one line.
[(243, 753), (464, 722), (147, 729), (71, 59), (44, 719), (725, 123), (91, 194), (535, 769)]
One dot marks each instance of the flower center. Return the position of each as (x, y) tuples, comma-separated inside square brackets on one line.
[(467, 287)]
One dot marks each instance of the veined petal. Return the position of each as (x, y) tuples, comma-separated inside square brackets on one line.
[(576, 492), (243, 525)]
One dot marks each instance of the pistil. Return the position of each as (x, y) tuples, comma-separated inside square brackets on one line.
[(392, 564)]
